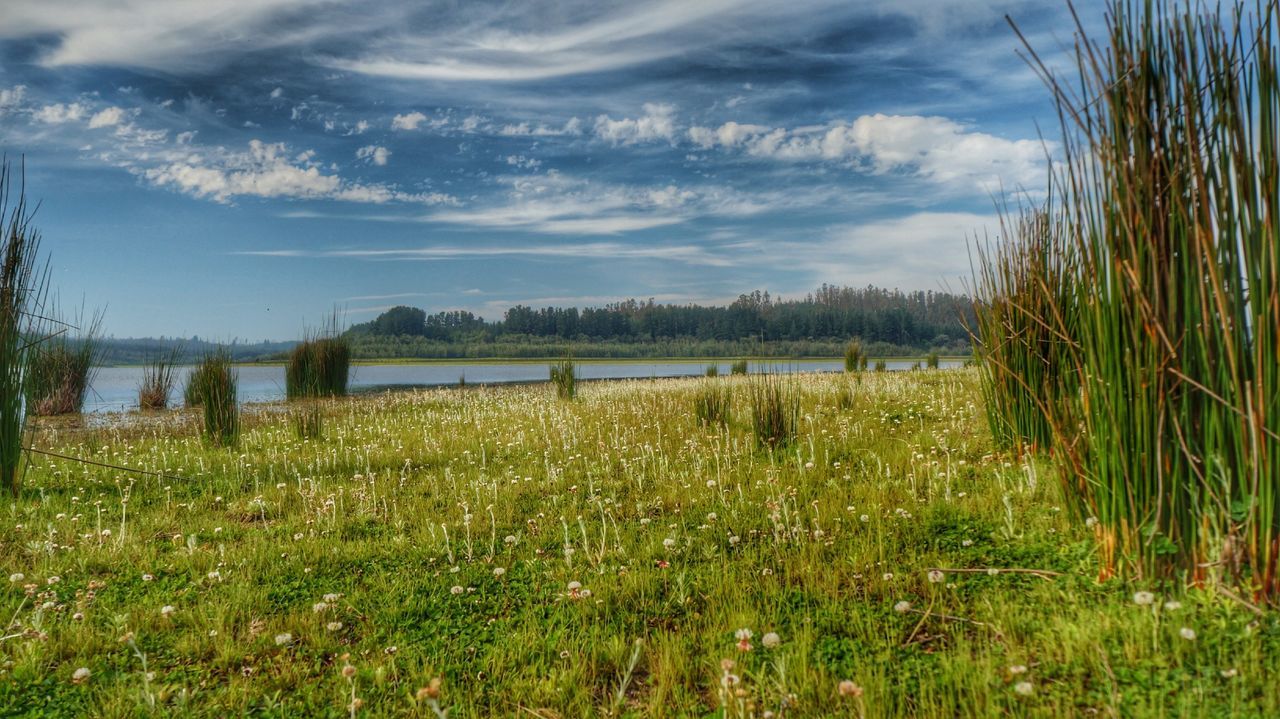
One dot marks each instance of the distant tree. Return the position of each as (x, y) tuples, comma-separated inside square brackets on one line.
[(401, 320)]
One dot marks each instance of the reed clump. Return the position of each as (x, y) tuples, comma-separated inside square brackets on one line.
[(159, 376), (564, 377), (712, 370), (22, 288), (738, 367), (711, 403), (61, 368), (775, 409), (319, 366), (1162, 296), (213, 385), (855, 356)]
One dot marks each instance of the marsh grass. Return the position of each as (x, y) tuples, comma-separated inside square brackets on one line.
[(738, 367), (564, 377), (22, 291), (931, 360), (308, 420), (881, 366), (213, 384), (159, 376), (712, 370), (1169, 190), (775, 408)]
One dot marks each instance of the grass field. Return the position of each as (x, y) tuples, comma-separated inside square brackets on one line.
[(500, 552)]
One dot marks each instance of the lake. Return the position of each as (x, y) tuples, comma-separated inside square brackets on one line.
[(115, 389)]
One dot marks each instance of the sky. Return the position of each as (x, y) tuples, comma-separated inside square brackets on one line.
[(239, 169)]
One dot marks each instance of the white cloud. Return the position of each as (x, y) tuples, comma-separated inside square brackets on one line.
[(373, 153), (12, 97), (109, 117), (277, 93), (59, 113), (934, 148), (408, 121), (657, 123), (266, 171), (689, 254), (573, 126)]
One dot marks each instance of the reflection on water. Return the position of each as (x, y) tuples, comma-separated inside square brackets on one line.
[(115, 389)]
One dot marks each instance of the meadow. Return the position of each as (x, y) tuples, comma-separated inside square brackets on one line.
[(499, 551)]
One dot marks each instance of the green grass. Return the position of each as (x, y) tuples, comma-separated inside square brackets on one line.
[(213, 386), (678, 535), (564, 377), (319, 367)]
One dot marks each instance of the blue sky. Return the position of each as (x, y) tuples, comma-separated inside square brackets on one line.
[(237, 169)]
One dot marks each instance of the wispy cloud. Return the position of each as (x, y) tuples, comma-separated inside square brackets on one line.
[(688, 254)]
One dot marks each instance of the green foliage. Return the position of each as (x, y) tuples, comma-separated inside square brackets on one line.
[(931, 360), (22, 287), (881, 365), (563, 376), (738, 367), (713, 370), (308, 420), (775, 409), (213, 386)]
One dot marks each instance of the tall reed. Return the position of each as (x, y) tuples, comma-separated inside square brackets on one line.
[(564, 377), (711, 403), (738, 367), (61, 367), (214, 384), (855, 356), (1024, 327), (1170, 185), (22, 287), (775, 409), (158, 378), (320, 365)]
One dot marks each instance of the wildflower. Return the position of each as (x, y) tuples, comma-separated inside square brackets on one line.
[(348, 671), (331, 597), (499, 571), (78, 616), (1187, 633), (967, 543), (1143, 599), (1229, 673), (1172, 605), (711, 483), (509, 539), (80, 676), (1091, 522), (936, 576), (734, 539), (662, 564), (431, 691), (711, 517), (645, 521), (319, 607), (902, 607), (668, 542), (1024, 688), (865, 518), (888, 576), (771, 640), (455, 589), (53, 580), (1017, 669), (744, 639), (17, 577), (284, 639), (148, 577), (167, 610), (849, 689), (333, 626)]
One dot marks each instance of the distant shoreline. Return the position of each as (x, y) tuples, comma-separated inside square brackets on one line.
[(445, 361)]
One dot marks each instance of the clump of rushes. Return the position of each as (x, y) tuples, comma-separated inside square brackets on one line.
[(563, 375), (191, 396), (844, 397), (711, 403), (22, 287), (214, 384), (713, 370), (1024, 325), (855, 356), (881, 365), (320, 365), (931, 360), (61, 368), (775, 410), (1171, 145), (158, 378), (738, 367)]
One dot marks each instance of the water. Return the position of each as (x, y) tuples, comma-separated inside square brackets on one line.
[(115, 389)]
